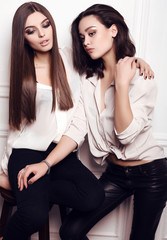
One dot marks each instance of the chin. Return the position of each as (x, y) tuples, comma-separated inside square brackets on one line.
[(46, 49), (94, 57)]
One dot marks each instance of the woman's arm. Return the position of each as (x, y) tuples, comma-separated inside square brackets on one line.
[(65, 146), (134, 102), (72, 138), (125, 71)]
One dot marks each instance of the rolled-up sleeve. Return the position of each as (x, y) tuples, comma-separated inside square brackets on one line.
[(77, 129), (142, 100)]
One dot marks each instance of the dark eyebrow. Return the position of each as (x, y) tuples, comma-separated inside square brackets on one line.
[(34, 26), (87, 29)]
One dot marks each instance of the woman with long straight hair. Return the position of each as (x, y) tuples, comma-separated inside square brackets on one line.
[(42, 99)]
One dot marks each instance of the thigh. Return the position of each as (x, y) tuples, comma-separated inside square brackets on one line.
[(74, 185), (18, 160), (32, 203), (149, 200), (78, 224), (72, 169), (37, 193)]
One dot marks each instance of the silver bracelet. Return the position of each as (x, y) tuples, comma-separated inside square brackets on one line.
[(48, 165)]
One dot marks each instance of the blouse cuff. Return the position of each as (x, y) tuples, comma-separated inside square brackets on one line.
[(128, 134)]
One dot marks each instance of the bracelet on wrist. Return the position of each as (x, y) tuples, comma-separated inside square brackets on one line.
[(48, 165)]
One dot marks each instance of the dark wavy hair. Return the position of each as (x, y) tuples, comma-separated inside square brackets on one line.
[(124, 46), (22, 97)]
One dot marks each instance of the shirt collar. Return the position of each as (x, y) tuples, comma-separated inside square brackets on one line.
[(95, 79)]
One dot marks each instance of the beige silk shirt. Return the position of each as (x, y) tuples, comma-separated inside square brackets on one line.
[(136, 142)]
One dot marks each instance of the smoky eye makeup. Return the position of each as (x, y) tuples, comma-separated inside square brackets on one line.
[(92, 33), (29, 31), (46, 23)]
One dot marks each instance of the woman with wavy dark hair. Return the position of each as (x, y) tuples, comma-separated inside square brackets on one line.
[(122, 43), (117, 104), (42, 99), (115, 112)]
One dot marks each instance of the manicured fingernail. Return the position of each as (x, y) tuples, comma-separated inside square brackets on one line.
[(135, 60)]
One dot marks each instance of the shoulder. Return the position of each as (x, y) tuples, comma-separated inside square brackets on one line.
[(72, 75), (66, 53)]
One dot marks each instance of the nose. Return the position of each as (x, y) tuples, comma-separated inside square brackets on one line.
[(41, 33), (86, 42)]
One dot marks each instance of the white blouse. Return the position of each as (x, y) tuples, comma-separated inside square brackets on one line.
[(134, 143), (48, 126)]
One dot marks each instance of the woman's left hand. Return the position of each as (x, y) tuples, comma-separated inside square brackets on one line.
[(38, 170), (145, 68)]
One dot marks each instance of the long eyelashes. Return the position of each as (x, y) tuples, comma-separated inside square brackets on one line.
[(90, 34), (30, 31), (47, 24)]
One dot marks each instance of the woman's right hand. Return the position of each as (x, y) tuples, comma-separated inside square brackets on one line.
[(38, 170), (125, 71)]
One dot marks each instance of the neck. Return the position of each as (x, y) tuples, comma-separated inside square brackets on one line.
[(42, 59), (109, 60), (110, 63)]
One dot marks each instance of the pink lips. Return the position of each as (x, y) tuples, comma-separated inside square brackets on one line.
[(89, 50), (44, 43)]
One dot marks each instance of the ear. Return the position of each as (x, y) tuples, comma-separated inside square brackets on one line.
[(114, 30)]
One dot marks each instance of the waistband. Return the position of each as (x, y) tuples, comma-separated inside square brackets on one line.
[(112, 158)]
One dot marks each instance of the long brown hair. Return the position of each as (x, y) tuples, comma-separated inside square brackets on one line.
[(22, 73), (107, 15)]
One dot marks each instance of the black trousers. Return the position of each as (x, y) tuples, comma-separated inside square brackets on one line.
[(70, 183), (147, 183)]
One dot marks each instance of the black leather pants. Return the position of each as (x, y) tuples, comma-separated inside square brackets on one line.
[(147, 183)]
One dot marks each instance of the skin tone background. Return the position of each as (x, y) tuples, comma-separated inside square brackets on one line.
[(146, 20)]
